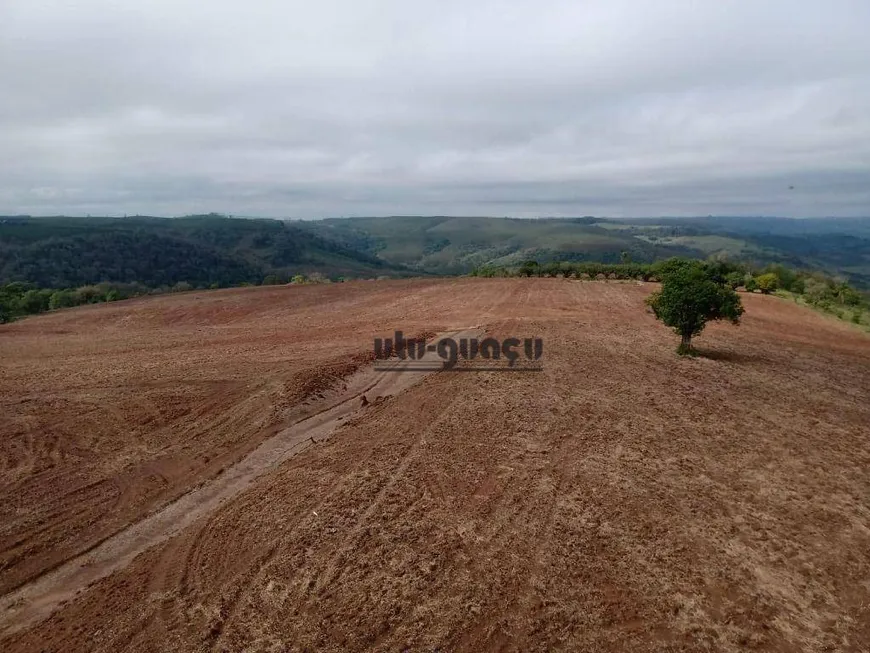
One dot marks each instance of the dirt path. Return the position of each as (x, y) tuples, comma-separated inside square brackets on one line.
[(37, 599), (110, 412)]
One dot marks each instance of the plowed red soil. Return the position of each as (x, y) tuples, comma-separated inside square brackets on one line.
[(622, 499)]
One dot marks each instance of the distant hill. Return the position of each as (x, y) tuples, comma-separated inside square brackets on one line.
[(212, 249), (458, 244), (62, 252), (450, 245)]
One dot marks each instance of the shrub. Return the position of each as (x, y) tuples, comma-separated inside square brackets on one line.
[(817, 292), (487, 272), (734, 279), (529, 268), (34, 301), (89, 295), (61, 299), (767, 283), (847, 295), (786, 278)]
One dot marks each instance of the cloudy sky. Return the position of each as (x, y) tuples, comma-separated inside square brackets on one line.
[(367, 107)]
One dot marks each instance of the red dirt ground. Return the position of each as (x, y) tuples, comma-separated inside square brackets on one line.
[(623, 499)]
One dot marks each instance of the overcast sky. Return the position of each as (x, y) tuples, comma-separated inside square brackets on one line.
[(368, 107)]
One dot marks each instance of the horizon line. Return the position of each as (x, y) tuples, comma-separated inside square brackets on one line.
[(236, 216)]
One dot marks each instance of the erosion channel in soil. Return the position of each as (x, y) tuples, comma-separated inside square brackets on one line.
[(36, 600)]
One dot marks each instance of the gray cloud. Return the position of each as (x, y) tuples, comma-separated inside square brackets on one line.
[(285, 108)]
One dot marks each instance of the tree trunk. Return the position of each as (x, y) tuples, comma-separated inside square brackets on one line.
[(685, 344)]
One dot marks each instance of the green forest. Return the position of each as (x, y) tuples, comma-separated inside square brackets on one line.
[(55, 262), (204, 251)]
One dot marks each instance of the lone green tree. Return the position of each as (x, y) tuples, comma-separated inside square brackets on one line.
[(690, 298)]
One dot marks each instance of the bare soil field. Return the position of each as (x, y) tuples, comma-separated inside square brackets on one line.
[(622, 499)]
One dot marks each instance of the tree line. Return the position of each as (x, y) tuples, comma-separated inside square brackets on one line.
[(832, 294), (20, 299)]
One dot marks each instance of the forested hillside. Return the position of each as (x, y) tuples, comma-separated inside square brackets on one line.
[(200, 250), (63, 252), (452, 245)]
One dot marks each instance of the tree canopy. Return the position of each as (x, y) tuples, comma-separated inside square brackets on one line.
[(690, 297)]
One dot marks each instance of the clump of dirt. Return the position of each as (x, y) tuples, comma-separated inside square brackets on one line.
[(315, 382)]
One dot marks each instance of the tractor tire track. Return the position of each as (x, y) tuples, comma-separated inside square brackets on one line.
[(37, 599)]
